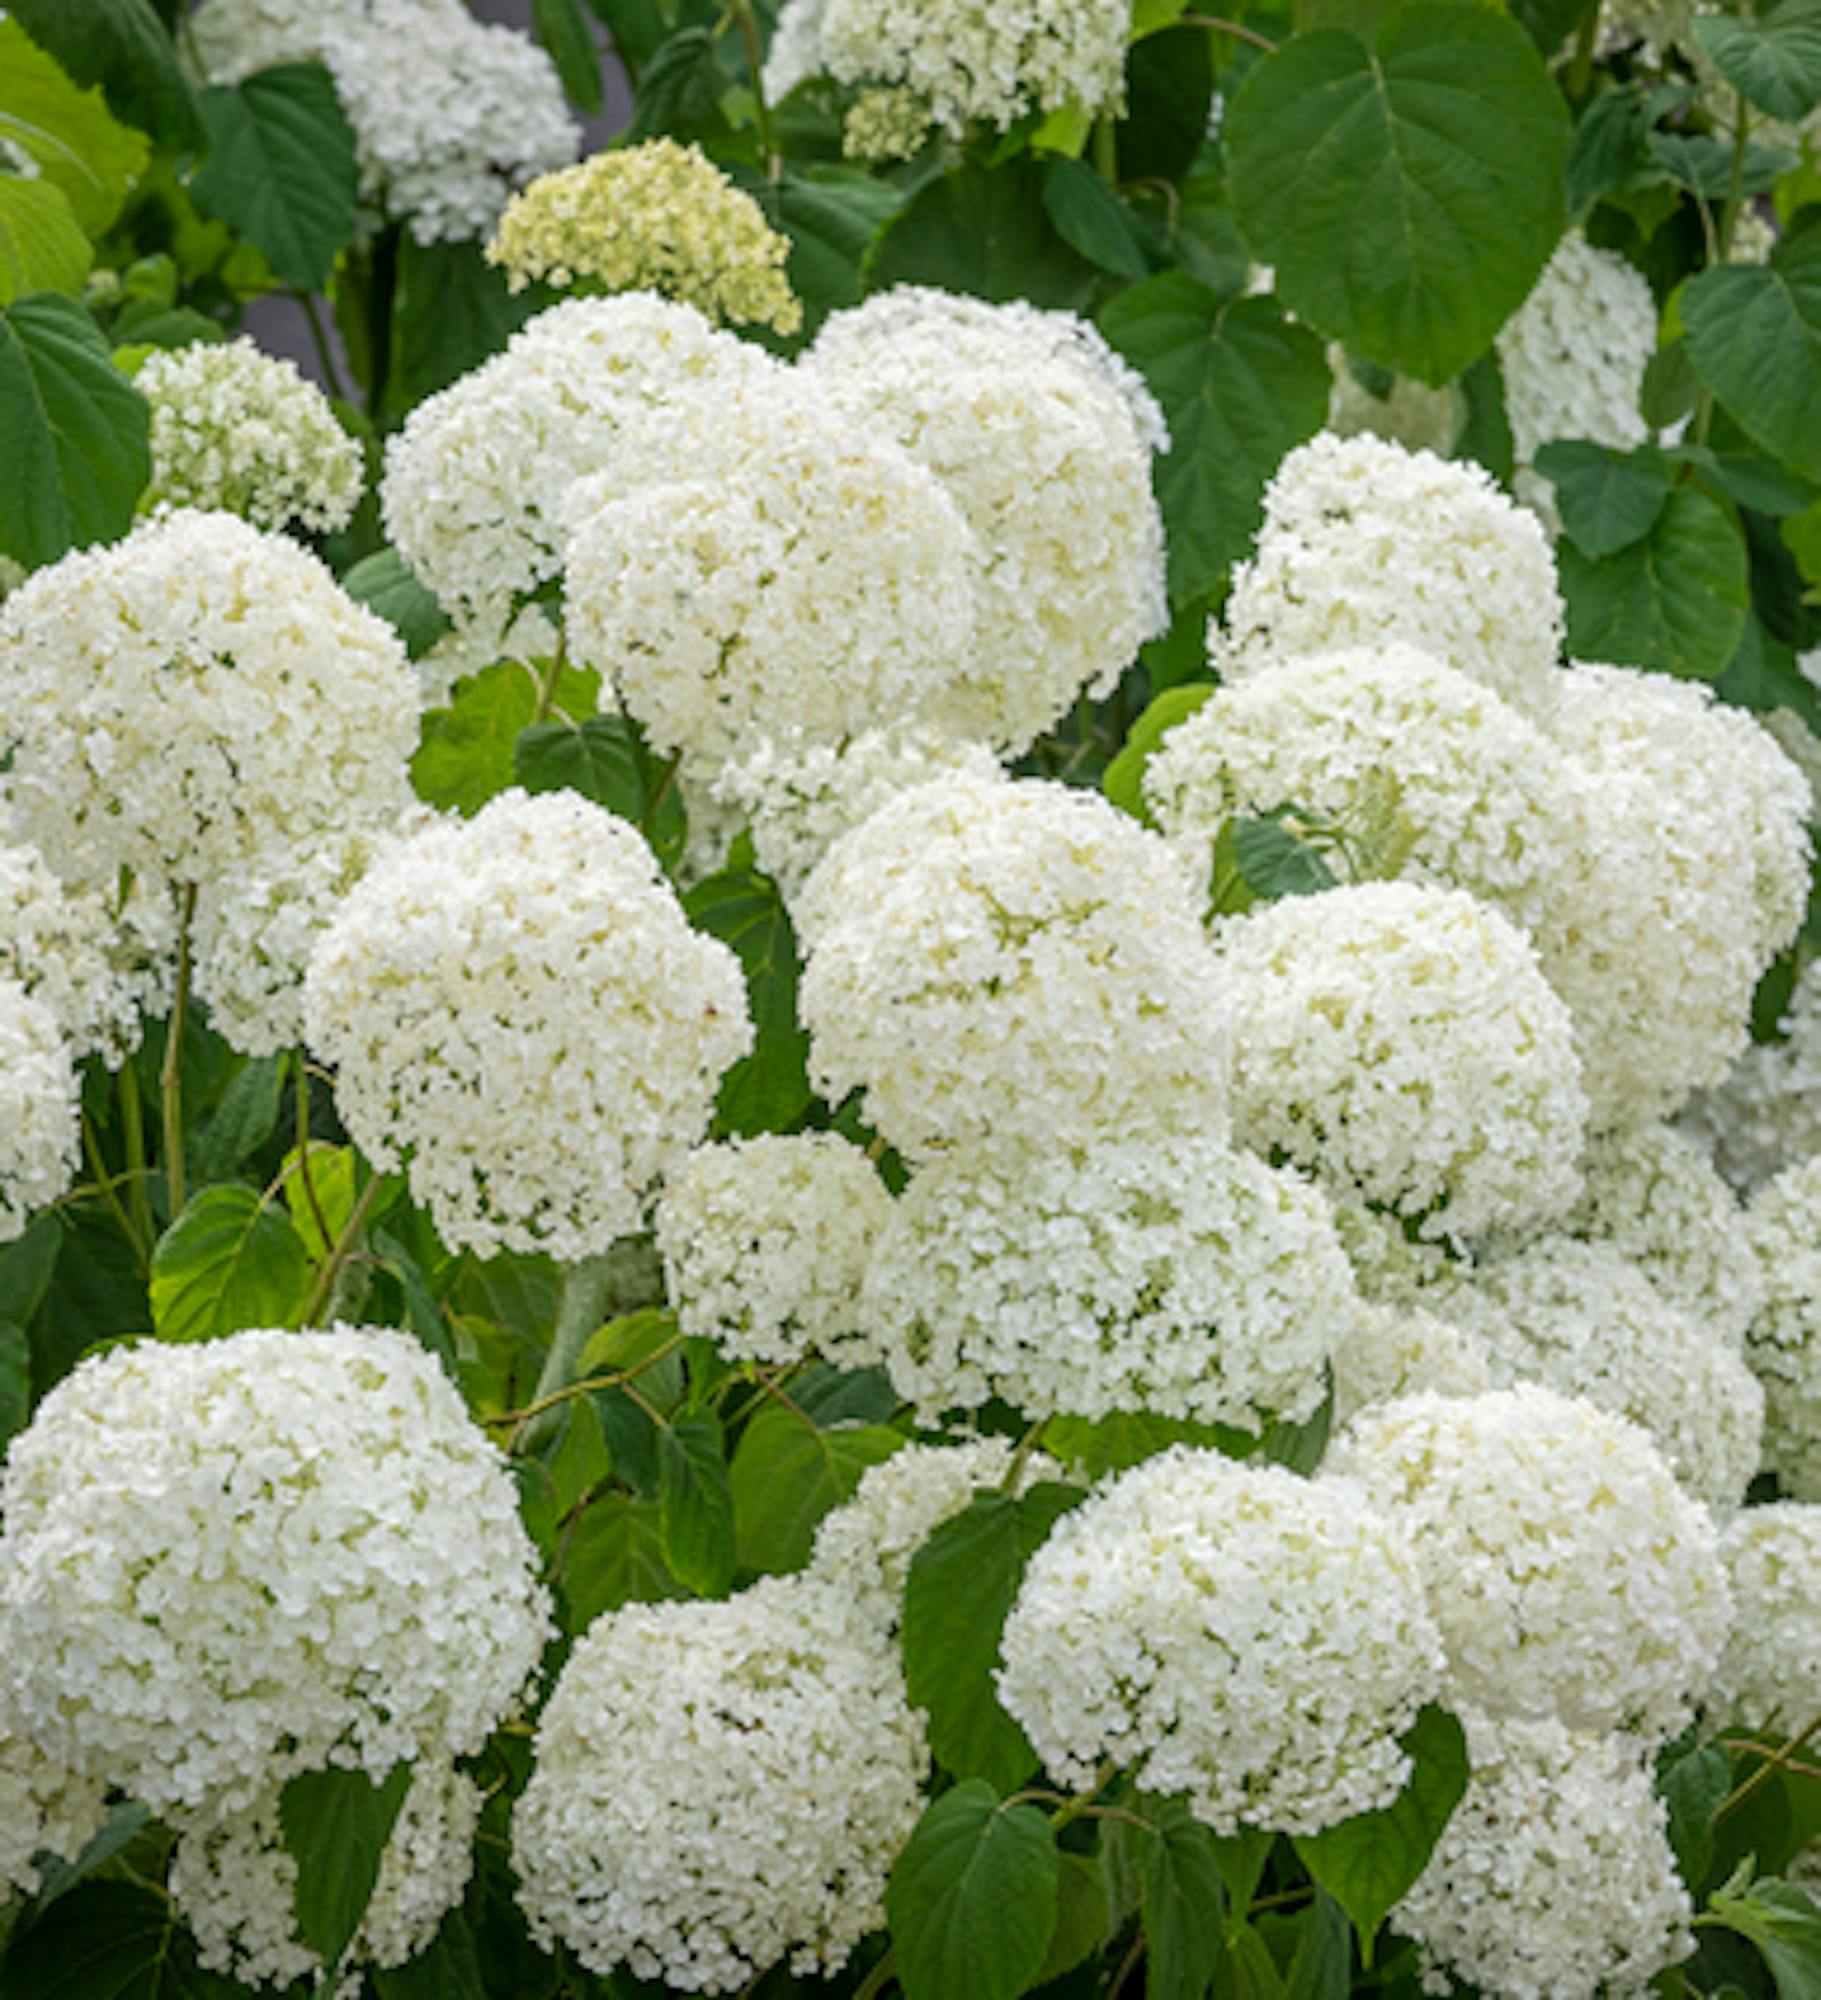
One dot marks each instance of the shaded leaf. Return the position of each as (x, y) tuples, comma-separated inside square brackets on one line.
[(1774, 61), (466, 752), (1607, 499), (767, 1090), (387, 586), (983, 231), (615, 1557), (1184, 1907), (1754, 339), (695, 1504), (231, 1260), (786, 1476), (336, 1824), (605, 759), (122, 46), (111, 1941)]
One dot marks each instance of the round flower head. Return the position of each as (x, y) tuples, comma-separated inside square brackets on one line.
[(1365, 542), (765, 565), (244, 432), (1571, 1576), (718, 1786), (522, 1019), (1044, 437), (1165, 1274), (978, 950), (1783, 1344), (962, 60), (1555, 1879), (1693, 874), (1402, 1350), (195, 696), (44, 1809), (1572, 359), (800, 798), (1769, 1676), (39, 1143), (765, 1242), (234, 1882), (655, 217), (1582, 1318), (476, 483), (1475, 796), (230, 1562), (1402, 1043), (1765, 1113), (1232, 1632)]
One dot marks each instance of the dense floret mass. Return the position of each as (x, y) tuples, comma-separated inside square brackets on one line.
[(1769, 1676), (44, 1809), (1783, 1344), (39, 1143)]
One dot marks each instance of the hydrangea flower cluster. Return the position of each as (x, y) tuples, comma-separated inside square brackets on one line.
[(242, 431), (1572, 1578), (1402, 1043), (1555, 1879), (1783, 1344), (449, 114), (39, 1143), (1404, 1350), (718, 1786), (765, 1242), (44, 1809), (1770, 1673), (1764, 1114), (1165, 1274), (227, 1563), (1405, 411), (522, 1019), (975, 949), (1229, 1631), (655, 217), (1364, 542), (961, 60), (195, 696)]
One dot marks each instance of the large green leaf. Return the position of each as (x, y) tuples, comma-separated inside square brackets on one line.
[(833, 216), (78, 434), (985, 231), (121, 45), (1607, 499), (465, 755), (605, 759), (962, 1583), (336, 1824), (1240, 386), (110, 1941), (70, 135), (1784, 1923), (450, 1969), (787, 1474), (768, 1090), (1408, 194), (616, 1556), (1775, 61), (1092, 219), (695, 1504), (1754, 339), (387, 585), (451, 311), (563, 29), (972, 1898), (1366, 1863), (281, 168), (1123, 779), (1675, 601), (1184, 1904), (231, 1260), (42, 248)]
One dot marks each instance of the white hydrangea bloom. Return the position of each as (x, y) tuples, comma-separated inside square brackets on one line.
[(1571, 1576), (1166, 1274), (244, 432), (1391, 1267), (1402, 1043), (965, 61), (195, 696), (1391, 1351), (1765, 1113), (1364, 542), (1555, 1879), (522, 1020), (1410, 413), (1572, 359), (765, 1242), (1769, 1676), (99, 963), (1693, 874), (476, 483), (719, 1786), (39, 1131), (1783, 1344), (1000, 960), (449, 114), (1485, 801), (1584, 1319), (865, 1547), (763, 564), (44, 1809), (1045, 437), (1232, 1632), (228, 1562), (233, 1881), (800, 798)]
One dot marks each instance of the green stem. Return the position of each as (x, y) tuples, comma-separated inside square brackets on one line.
[(345, 1244), (879, 1978), (325, 355), (1735, 182), (132, 1123), (1580, 68), (105, 1182), (578, 1314), (170, 1071), (755, 63), (1026, 1445), (302, 1095), (1106, 151), (1764, 1773), (548, 683), (1216, 26)]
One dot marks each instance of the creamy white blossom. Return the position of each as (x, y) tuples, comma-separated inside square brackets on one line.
[(765, 1242), (1254, 1640), (1045, 437), (1783, 1344), (44, 1809), (1769, 1676), (1764, 1114), (1166, 1274), (228, 1562), (718, 1786), (193, 697), (1365, 542), (523, 1021), (39, 1142), (1004, 960), (1554, 1879), (1402, 1043), (242, 431), (1401, 1350), (1571, 1576), (1408, 412)]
